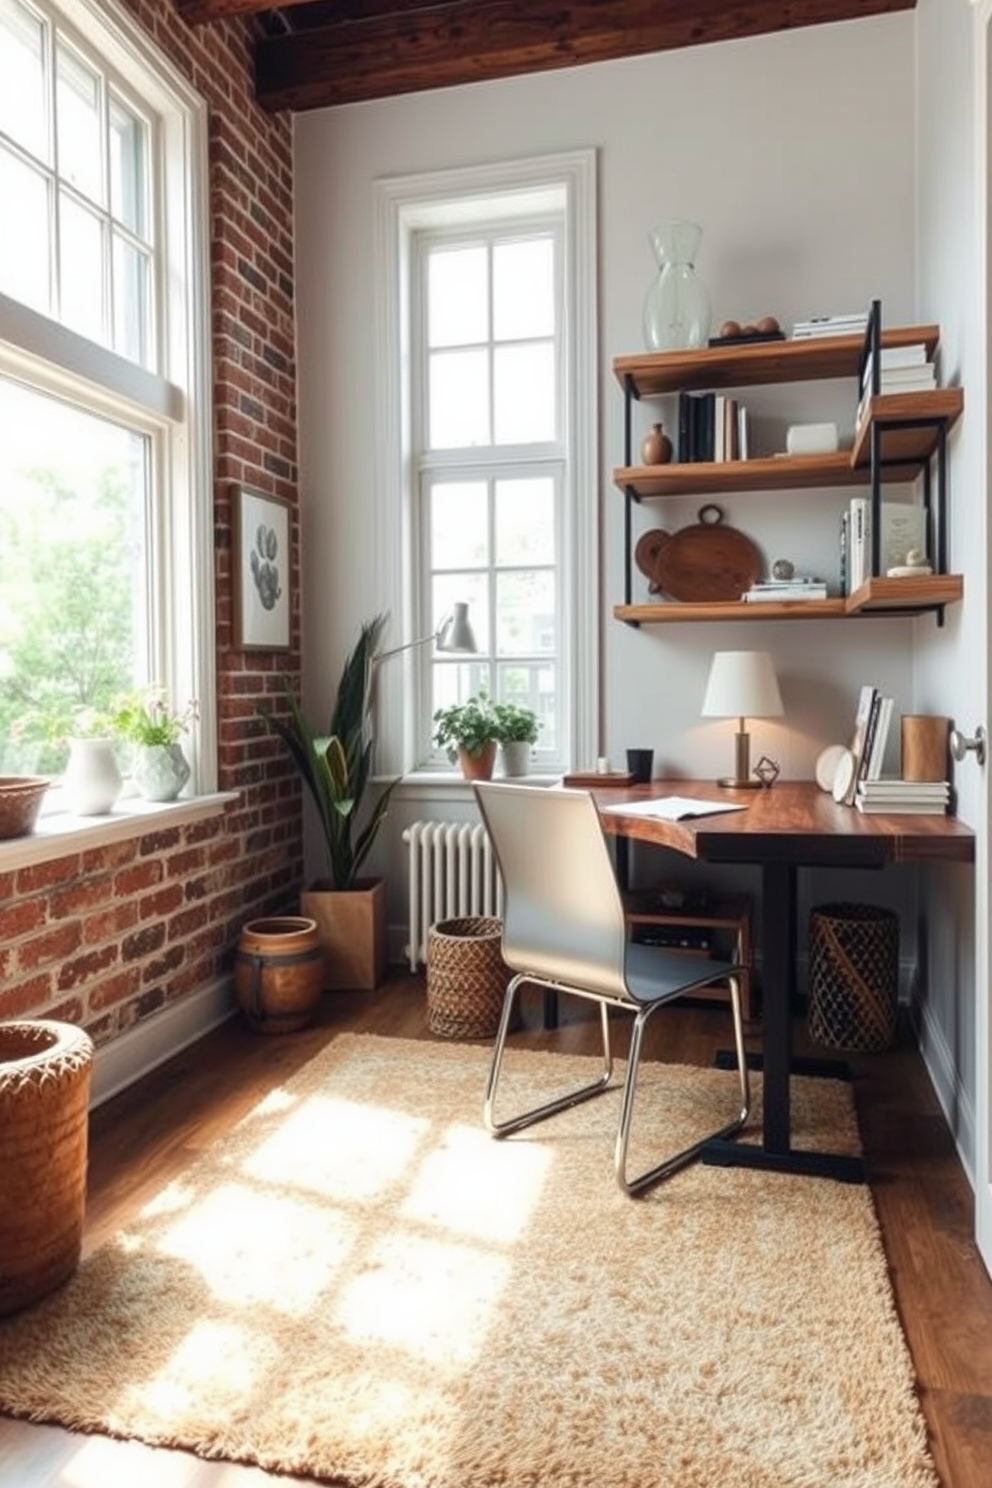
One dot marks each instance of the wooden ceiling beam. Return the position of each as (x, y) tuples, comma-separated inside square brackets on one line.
[(470, 41)]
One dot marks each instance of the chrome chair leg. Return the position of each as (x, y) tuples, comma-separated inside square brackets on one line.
[(562, 1102), (645, 1180)]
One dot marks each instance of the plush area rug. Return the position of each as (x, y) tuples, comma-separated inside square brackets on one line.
[(359, 1283)]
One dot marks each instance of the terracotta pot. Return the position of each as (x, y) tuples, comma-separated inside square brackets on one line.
[(478, 766), (279, 972)]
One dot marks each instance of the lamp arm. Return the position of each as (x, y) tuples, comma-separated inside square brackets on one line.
[(407, 646)]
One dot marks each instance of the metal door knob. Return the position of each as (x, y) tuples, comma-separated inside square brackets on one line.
[(962, 745)]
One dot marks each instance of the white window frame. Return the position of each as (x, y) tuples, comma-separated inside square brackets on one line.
[(404, 206), (173, 403)]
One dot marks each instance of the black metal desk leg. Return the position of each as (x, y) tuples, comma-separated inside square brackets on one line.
[(778, 960)]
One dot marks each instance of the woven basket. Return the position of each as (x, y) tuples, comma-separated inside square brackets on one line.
[(45, 1070), (20, 802), (466, 977), (853, 976)]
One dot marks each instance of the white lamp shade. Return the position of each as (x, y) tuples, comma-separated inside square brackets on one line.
[(455, 633), (742, 684)]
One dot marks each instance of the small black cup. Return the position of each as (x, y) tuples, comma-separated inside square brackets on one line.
[(640, 763)]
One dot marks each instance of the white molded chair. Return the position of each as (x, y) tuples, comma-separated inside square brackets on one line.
[(564, 931)]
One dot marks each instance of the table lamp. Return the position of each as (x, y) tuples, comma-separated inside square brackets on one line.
[(742, 684), (454, 635)]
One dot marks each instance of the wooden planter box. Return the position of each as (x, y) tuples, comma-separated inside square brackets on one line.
[(352, 927)]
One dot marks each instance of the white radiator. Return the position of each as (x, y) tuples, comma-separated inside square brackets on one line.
[(453, 873)]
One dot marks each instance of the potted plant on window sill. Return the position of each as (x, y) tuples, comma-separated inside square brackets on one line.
[(469, 734), (518, 731), (350, 910), (154, 731)]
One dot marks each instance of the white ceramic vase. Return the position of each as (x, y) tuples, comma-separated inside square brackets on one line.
[(160, 770), (92, 780)]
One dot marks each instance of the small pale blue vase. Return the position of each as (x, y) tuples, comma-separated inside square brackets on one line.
[(160, 770)]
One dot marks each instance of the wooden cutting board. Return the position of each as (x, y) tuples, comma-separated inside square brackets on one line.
[(707, 562)]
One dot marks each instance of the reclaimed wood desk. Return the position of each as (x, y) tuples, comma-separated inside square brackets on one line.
[(789, 826)]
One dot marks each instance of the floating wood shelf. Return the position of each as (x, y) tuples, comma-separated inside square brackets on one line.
[(897, 596), (817, 358)]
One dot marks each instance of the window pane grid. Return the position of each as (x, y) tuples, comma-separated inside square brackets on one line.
[(75, 174)]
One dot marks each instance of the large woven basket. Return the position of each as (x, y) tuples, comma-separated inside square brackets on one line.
[(45, 1070), (466, 977), (853, 976)]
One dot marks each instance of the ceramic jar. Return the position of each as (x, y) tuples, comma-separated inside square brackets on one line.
[(160, 770), (656, 447), (92, 780)]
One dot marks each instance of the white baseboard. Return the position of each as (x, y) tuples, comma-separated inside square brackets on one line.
[(142, 1048), (955, 1102)]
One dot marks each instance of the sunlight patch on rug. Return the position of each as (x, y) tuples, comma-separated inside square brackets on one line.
[(359, 1283)]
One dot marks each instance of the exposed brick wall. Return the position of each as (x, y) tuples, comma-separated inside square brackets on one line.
[(107, 937)]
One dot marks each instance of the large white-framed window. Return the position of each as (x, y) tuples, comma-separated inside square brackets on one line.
[(106, 522), (487, 408)]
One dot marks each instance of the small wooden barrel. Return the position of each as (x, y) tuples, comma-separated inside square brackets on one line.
[(45, 1070), (279, 972)]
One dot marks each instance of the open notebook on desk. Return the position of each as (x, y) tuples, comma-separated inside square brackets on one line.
[(674, 808)]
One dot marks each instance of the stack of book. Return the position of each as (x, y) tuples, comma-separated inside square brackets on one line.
[(830, 325), (903, 797), (902, 369), (782, 589)]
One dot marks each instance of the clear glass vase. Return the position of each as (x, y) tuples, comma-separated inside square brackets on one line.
[(677, 305)]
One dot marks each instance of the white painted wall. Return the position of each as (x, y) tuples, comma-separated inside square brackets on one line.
[(797, 155), (952, 664)]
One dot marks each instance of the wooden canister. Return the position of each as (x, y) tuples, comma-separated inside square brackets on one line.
[(279, 972), (924, 746)]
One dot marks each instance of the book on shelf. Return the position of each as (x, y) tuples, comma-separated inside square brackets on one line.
[(782, 589), (902, 529), (895, 359), (830, 325), (909, 380)]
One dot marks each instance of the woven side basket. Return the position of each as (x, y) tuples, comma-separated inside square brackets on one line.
[(45, 1070), (466, 977), (853, 976)]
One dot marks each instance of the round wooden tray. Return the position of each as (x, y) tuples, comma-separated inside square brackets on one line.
[(707, 562)]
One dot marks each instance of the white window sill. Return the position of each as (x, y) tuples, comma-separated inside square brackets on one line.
[(60, 834)]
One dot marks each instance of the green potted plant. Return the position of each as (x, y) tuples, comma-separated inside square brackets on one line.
[(154, 729), (335, 767), (469, 734), (518, 731)]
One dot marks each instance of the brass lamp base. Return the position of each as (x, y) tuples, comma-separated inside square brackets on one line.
[(729, 783), (743, 779)]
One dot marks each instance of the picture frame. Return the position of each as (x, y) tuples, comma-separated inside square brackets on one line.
[(260, 568)]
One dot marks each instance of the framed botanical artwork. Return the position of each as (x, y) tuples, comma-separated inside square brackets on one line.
[(260, 567)]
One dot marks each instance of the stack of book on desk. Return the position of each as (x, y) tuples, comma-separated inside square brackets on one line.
[(903, 797)]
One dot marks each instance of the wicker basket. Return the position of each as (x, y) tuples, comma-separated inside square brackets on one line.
[(466, 977), (20, 802), (853, 976), (45, 1070)]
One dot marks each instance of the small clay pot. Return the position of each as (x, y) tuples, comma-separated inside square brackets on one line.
[(656, 447)]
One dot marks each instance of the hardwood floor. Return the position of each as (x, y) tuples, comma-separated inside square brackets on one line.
[(146, 1135)]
